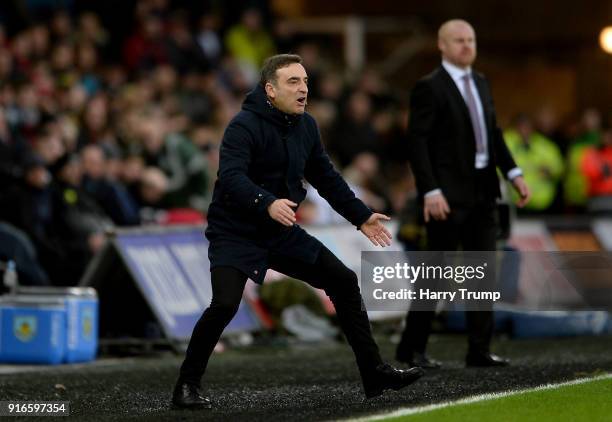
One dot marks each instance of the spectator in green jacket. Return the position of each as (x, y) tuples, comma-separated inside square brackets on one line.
[(540, 159), (249, 43), (181, 161), (575, 187)]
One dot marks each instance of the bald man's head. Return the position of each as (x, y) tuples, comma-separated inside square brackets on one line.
[(457, 42)]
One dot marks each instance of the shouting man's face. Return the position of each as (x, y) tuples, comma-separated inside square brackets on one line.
[(290, 90)]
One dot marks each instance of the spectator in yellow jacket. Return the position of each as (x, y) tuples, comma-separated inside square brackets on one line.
[(539, 158), (249, 44)]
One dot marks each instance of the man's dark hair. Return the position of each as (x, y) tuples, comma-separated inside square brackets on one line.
[(272, 64)]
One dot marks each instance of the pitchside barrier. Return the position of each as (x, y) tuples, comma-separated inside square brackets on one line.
[(154, 278), (535, 236), (602, 228)]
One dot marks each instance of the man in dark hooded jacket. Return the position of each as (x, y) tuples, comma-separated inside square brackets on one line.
[(267, 151)]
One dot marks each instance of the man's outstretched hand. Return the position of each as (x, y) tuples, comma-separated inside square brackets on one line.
[(375, 231), (281, 211)]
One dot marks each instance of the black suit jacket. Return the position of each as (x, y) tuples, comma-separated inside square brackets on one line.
[(441, 140)]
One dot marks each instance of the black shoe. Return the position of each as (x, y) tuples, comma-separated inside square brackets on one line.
[(485, 360), (421, 360), (188, 396), (386, 377)]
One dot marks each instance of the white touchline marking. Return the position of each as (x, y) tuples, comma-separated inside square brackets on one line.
[(473, 399)]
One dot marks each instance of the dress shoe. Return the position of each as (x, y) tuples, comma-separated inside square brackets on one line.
[(485, 360), (386, 377), (189, 396), (421, 360)]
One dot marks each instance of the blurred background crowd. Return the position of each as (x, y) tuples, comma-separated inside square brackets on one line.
[(105, 126)]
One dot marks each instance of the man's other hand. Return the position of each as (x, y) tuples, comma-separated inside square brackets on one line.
[(281, 211), (435, 207), (375, 231), (522, 189)]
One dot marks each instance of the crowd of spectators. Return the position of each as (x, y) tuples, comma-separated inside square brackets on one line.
[(92, 139), (566, 165)]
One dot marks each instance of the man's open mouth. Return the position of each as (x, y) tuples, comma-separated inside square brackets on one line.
[(302, 100)]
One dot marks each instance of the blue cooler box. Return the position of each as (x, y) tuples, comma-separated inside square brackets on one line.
[(32, 330), (81, 318)]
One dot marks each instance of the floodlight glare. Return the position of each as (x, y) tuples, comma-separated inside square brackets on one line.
[(605, 39)]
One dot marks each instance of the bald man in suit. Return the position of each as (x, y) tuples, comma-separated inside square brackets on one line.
[(455, 147)]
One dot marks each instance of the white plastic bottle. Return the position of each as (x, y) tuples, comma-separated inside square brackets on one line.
[(10, 277)]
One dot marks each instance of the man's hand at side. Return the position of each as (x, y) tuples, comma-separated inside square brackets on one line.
[(522, 189), (281, 211), (435, 207), (375, 231)]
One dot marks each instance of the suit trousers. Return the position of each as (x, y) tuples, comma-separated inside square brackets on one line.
[(327, 273), (472, 229)]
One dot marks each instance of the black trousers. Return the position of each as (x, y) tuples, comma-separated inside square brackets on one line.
[(327, 273), (473, 229)]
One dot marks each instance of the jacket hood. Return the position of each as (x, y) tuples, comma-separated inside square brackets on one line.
[(257, 102)]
